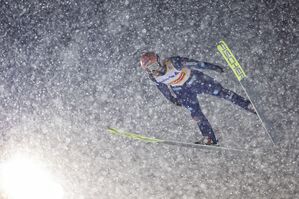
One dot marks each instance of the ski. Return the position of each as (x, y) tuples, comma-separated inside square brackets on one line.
[(146, 139), (241, 76)]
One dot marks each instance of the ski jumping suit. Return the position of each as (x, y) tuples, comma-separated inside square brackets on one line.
[(182, 82)]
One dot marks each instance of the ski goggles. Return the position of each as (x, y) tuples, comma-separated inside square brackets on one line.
[(154, 67)]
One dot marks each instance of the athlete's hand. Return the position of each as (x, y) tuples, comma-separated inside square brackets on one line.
[(220, 69), (177, 103)]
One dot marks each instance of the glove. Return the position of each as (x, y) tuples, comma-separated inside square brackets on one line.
[(220, 69), (176, 102)]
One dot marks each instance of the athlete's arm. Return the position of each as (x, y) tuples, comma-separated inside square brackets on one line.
[(195, 64), (165, 91)]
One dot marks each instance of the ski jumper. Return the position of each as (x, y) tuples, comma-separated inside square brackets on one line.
[(182, 82)]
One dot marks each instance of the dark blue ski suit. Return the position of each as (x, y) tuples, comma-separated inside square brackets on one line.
[(182, 82)]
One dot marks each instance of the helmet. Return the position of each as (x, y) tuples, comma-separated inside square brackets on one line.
[(148, 59)]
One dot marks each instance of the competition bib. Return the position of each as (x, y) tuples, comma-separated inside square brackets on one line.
[(174, 77)]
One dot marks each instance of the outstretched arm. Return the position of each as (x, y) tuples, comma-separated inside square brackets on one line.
[(167, 93), (195, 64)]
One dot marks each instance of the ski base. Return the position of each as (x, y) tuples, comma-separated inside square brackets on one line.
[(143, 138), (201, 146), (241, 76)]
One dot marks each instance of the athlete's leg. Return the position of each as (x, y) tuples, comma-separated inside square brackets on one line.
[(212, 87), (191, 103), (233, 97)]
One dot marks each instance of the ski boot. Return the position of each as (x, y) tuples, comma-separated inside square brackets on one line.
[(206, 140), (251, 108)]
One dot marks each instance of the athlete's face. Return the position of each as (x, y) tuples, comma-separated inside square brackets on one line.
[(155, 69)]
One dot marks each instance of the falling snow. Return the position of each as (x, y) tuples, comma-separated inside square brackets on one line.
[(70, 69)]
